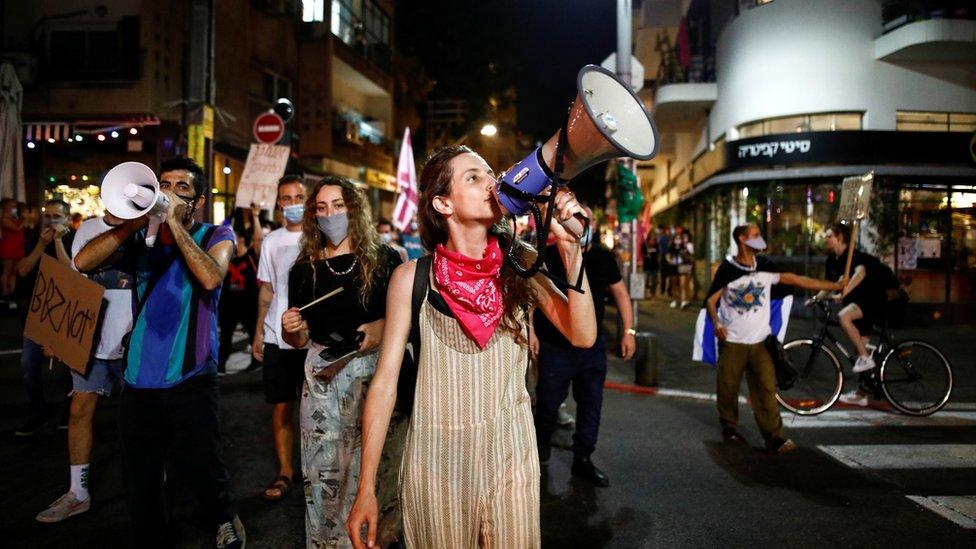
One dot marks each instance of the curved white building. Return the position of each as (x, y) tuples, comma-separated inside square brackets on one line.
[(764, 106)]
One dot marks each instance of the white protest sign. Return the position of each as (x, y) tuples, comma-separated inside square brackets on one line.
[(259, 182)]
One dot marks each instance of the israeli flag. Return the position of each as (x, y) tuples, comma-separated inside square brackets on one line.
[(705, 348)]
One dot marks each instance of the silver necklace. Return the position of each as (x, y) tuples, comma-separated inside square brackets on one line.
[(342, 273)]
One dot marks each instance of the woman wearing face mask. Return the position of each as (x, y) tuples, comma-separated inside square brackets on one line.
[(340, 250), (11, 245)]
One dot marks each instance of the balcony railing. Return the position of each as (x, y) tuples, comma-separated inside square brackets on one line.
[(897, 13)]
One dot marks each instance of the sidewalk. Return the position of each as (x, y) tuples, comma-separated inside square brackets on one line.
[(675, 329)]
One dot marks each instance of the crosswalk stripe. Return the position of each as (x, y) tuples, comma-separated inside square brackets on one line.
[(877, 418), (958, 509), (903, 456)]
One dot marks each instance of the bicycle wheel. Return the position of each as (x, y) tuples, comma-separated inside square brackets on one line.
[(916, 378), (818, 382)]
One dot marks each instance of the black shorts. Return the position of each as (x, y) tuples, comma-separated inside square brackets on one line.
[(869, 311), (284, 373)]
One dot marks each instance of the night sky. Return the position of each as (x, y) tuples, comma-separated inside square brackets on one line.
[(476, 48)]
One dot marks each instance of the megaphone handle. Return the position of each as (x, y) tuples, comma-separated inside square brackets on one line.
[(153, 229)]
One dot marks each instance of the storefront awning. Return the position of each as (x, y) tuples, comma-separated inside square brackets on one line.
[(58, 130), (828, 171)]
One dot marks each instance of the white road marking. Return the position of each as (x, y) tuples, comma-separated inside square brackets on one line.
[(694, 395), (958, 509), (904, 456), (877, 418)]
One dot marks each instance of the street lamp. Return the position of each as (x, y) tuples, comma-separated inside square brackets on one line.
[(489, 130)]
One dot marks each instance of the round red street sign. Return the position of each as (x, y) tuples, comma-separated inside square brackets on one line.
[(269, 128)]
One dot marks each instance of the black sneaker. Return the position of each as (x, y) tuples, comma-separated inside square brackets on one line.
[(31, 428), (731, 435), (584, 468), (231, 535)]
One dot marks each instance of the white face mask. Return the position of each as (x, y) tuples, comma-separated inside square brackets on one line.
[(386, 238), (756, 244)]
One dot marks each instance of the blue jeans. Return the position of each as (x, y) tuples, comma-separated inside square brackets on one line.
[(586, 370), (31, 364)]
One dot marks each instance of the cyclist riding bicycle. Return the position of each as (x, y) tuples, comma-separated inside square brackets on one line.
[(863, 299)]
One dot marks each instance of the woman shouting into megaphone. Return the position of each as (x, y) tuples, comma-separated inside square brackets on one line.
[(470, 466)]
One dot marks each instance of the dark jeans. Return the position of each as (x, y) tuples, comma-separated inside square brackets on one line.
[(182, 424), (235, 309), (31, 365), (586, 369)]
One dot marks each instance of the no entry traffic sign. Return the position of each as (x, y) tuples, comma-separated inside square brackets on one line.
[(268, 128)]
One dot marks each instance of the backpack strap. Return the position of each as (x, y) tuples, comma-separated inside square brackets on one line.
[(407, 382), (421, 284)]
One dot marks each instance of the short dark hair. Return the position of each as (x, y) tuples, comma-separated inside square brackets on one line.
[(384, 221), (842, 230), (59, 202), (739, 231), (290, 178), (183, 163)]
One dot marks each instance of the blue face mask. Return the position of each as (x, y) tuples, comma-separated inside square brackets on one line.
[(294, 213)]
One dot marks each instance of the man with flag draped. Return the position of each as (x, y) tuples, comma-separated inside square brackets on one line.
[(739, 306), (406, 204)]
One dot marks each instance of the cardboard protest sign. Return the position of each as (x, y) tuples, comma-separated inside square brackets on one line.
[(63, 313), (855, 197), (259, 182)]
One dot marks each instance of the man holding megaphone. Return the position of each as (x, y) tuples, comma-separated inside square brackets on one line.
[(170, 404)]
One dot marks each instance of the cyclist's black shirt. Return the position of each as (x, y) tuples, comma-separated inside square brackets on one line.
[(869, 294)]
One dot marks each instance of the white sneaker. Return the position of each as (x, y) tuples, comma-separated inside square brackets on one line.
[(674, 304), (65, 506), (863, 364), (564, 419), (854, 398)]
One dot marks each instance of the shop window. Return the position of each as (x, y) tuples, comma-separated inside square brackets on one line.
[(923, 245), (921, 121)]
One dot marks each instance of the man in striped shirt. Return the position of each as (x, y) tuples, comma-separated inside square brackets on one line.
[(169, 406)]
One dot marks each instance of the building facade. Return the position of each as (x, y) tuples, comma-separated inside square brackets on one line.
[(765, 107), (110, 81)]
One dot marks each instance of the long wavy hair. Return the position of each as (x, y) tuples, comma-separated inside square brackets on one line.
[(519, 297), (365, 242)]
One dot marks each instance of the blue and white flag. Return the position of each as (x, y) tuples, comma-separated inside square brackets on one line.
[(705, 348)]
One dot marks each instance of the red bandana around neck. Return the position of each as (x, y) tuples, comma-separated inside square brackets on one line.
[(471, 289)]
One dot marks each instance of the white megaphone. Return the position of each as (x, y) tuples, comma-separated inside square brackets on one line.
[(130, 190), (606, 120)]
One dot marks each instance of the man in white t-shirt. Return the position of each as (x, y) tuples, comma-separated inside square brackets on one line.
[(284, 366), (739, 305), (104, 370)]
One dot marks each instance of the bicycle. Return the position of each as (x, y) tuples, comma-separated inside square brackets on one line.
[(912, 375)]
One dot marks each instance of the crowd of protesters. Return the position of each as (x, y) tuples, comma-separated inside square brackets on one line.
[(406, 353)]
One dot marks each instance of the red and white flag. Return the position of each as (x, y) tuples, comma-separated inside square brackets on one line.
[(406, 204)]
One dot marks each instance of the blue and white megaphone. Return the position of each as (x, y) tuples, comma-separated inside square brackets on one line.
[(606, 120), (130, 190)]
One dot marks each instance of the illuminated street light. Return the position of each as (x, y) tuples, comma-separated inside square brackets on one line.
[(489, 130)]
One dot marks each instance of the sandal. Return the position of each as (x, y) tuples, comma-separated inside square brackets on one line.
[(282, 484)]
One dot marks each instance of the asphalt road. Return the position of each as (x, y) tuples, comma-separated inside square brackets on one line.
[(859, 478)]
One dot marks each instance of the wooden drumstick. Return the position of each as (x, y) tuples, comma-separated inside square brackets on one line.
[(323, 298)]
